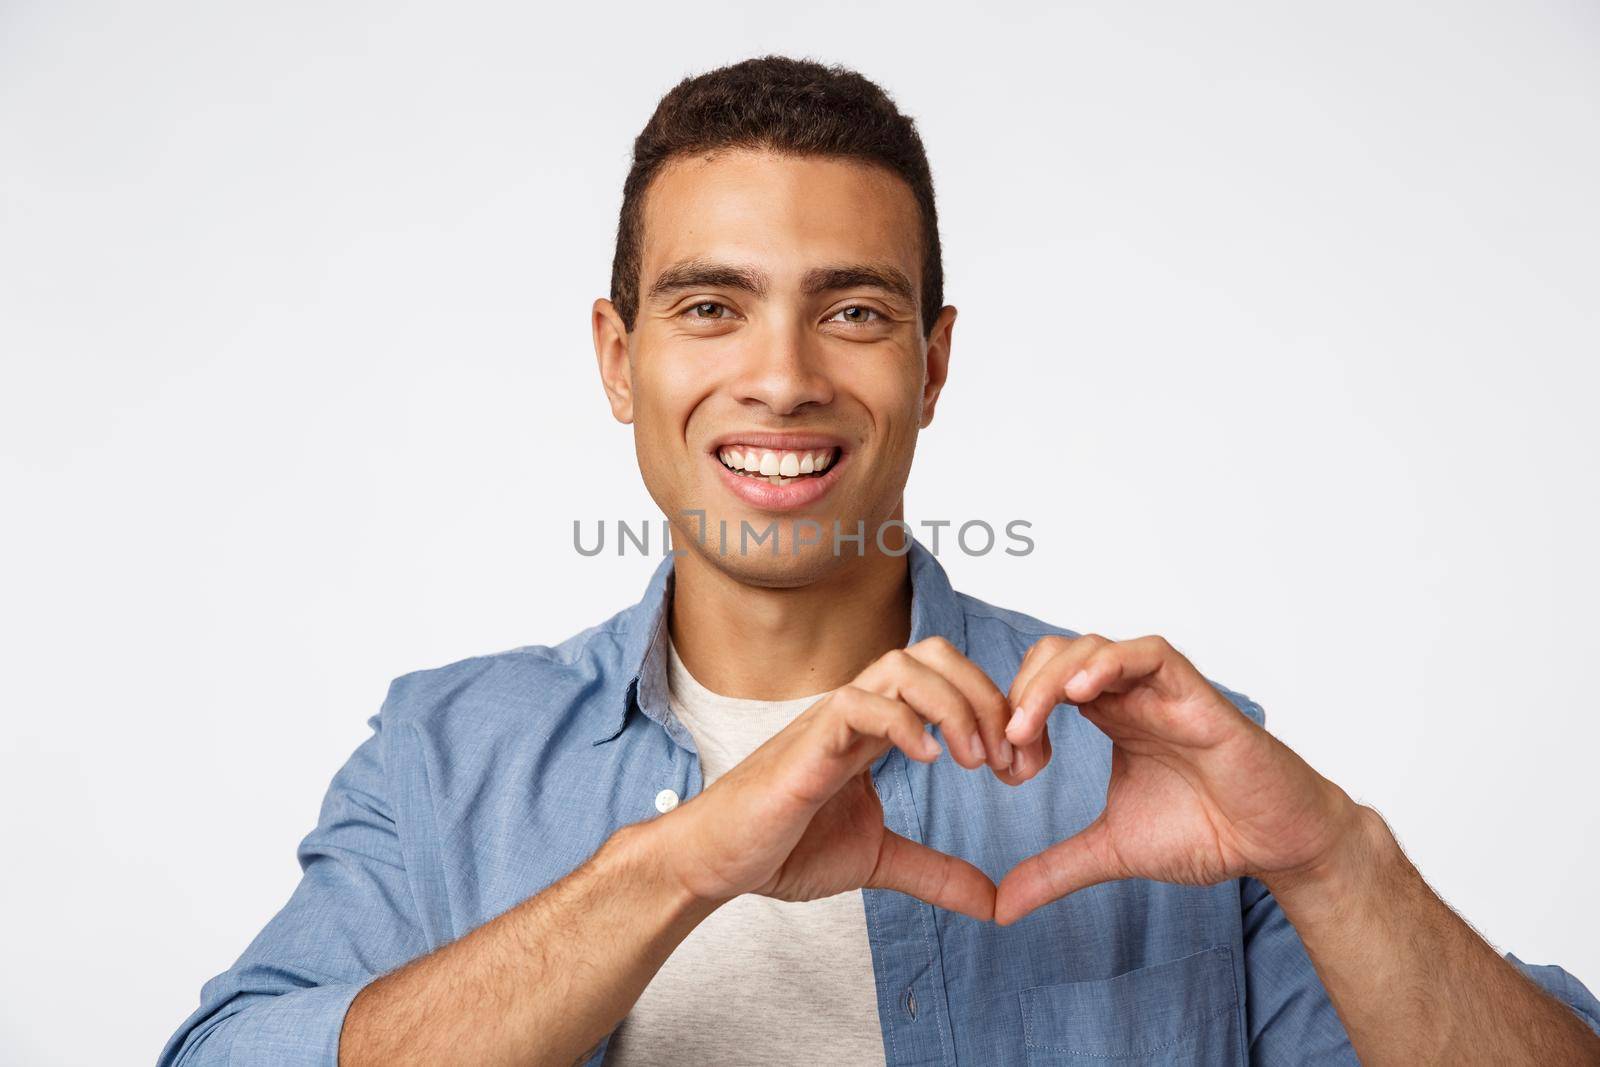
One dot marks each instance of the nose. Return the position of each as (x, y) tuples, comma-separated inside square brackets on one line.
[(783, 370)]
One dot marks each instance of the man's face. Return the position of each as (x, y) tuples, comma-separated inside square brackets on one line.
[(777, 371)]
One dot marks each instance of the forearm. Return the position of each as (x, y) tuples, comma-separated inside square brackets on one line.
[(1411, 981), (541, 984)]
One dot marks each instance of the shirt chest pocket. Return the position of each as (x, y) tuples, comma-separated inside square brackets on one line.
[(1176, 1013)]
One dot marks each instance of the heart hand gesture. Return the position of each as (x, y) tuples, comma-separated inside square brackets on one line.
[(1199, 793)]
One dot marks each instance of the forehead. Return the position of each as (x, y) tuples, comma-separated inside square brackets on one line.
[(786, 213)]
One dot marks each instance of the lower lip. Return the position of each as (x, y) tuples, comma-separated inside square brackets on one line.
[(800, 493)]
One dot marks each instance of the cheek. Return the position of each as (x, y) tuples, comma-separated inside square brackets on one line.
[(667, 394), (664, 397), (895, 402), (886, 377)]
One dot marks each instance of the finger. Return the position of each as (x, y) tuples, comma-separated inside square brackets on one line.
[(1082, 860), (902, 676), (936, 877), (1039, 653), (865, 713), (1118, 667), (989, 705), (1030, 759), (1045, 688)]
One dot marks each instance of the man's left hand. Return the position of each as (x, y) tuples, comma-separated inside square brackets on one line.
[(1199, 793)]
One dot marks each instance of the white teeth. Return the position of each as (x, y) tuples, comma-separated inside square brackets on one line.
[(777, 467)]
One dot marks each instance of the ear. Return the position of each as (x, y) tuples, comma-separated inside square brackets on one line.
[(611, 353), (938, 360)]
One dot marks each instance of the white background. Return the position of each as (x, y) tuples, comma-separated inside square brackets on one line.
[(1278, 322)]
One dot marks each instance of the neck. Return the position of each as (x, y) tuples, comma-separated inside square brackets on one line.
[(736, 639)]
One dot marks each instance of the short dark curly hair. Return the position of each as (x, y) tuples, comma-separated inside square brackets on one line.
[(776, 103)]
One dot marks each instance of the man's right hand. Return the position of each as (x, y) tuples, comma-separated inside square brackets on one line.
[(799, 819)]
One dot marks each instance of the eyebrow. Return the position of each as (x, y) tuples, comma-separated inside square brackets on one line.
[(704, 273), (701, 273), (859, 276)]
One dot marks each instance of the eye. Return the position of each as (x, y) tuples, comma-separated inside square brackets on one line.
[(705, 311), (861, 316)]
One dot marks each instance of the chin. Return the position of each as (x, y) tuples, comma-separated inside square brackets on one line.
[(760, 566), (775, 573)]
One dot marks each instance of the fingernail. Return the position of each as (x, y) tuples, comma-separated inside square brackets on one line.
[(1006, 752), (1012, 726), (930, 747), (1076, 680), (978, 751)]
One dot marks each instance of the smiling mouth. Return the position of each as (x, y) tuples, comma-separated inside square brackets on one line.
[(776, 465)]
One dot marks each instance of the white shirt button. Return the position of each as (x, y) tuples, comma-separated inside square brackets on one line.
[(666, 800)]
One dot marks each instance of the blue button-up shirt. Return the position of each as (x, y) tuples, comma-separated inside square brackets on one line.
[(489, 779)]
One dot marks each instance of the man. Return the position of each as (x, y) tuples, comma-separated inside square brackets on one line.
[(717, 828)]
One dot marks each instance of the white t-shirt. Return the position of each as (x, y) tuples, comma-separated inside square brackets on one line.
[(760, 981)]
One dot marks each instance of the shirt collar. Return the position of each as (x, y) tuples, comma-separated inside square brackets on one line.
[(935, 611)]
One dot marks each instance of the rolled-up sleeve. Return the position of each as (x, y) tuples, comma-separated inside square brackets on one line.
[(350, 919), (1292, 1020), (1565, 988)]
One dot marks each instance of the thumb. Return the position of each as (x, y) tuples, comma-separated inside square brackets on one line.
[(1082, 860), (936, 877)]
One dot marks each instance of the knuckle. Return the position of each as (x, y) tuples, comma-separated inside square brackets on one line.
[(843, 700), (897, 659), (936, 643)]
